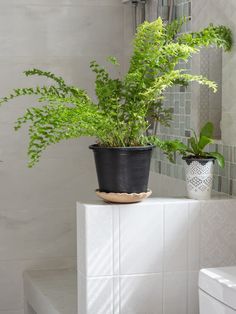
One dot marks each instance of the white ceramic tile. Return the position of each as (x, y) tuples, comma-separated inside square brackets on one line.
[(193, 303), (116, 240), (176, 237), (218, 234), (141, 294), (100, 296), (175, 293), (99, 240), (194, 236), (81, 290), (228, 129), (81, 238), (141, 239), (51, 291), (116, 295)]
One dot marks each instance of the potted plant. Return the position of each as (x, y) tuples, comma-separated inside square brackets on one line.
[(120, 117), (199, 162)]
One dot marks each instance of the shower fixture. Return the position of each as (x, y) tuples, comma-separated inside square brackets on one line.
[(134, 1), (171, 10), (143, 10), (166, 9), (139, 11)]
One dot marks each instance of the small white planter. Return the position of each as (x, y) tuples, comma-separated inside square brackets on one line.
[(199, 177)]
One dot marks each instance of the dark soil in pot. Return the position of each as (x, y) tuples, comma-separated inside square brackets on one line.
[(202, 160), (122, 169)]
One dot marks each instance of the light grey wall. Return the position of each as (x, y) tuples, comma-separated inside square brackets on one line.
[(37, 212), (221, 12)]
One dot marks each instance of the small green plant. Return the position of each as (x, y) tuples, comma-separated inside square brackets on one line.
[(196, 146), (120, 117)]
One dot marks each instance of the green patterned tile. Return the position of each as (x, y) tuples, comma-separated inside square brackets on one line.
[(226, 152), (187, 107), (225, 185), (233, 171)]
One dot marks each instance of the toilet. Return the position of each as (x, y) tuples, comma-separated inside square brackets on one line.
[(217, 290)]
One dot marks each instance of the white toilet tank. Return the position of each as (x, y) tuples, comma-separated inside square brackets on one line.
[(217, 290)]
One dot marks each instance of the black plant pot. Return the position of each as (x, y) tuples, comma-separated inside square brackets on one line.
[(122, 169)]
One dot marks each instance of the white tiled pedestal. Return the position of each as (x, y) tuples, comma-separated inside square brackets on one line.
[(144, 258), (120, 263)]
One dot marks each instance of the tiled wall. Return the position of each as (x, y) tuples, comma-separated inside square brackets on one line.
[(179, 99), (187, 105), (145, 258)]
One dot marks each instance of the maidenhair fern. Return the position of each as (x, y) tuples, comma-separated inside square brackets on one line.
[(120, 115)]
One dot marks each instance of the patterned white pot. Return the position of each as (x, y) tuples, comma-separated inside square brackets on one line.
[(199, 177)]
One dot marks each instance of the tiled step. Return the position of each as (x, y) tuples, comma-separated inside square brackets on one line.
[(51, 292)]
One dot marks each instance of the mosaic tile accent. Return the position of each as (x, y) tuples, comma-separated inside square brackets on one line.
[(179, 99), (224, 179)]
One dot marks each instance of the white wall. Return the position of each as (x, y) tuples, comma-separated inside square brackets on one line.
[(37, 212)]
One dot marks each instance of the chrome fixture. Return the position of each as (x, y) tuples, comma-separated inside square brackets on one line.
[(135, 6), (171, 9), (139, 11), (143, 10), (134, 1), (166, 10)]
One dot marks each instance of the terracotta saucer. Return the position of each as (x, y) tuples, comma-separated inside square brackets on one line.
[(123, 198)]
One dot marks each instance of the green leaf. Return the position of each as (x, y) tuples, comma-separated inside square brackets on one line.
[(124, 108), (203, 142), (219, 158), (179, 146), (113, 60), (207, 130), (219, 36), (195, 135), (194, 145)]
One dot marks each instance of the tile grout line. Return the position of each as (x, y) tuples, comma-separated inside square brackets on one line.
[(163, 261), (119, 279), (188, 263), (116, 259)]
